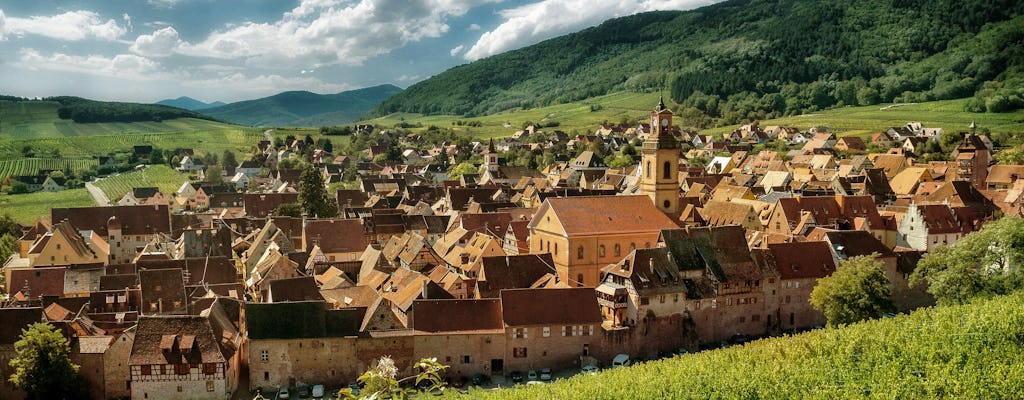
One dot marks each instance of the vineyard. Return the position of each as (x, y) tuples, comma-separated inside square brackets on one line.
[(971, 351), (204, 142), (161, 176), (25, 208), (39, 120), (31, 166)]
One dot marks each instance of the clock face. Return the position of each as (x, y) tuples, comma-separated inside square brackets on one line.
[(664, 122)]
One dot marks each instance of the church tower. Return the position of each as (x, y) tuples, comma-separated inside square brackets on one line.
[(660, 162), (491, 158)]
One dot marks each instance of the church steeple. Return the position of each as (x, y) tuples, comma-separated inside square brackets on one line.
[(660, 161), (491, 158)]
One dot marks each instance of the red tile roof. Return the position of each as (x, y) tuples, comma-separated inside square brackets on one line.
[(566, 306), (605, 215), (456, 315)]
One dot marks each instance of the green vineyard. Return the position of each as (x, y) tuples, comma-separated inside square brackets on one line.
[(204, 142), (26, 208), (957, 352), (31, 166), (161, 176)]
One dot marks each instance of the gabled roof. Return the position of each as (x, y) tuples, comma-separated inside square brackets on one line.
[(335, 235), (720, 251), (801, 260), (511, 272), (175, 340), (301, 288), (456, 315), (165, 288), (598, 215), (566, 306), (132, 220)]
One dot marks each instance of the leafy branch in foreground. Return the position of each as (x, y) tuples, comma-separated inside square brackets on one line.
[(381, 381)]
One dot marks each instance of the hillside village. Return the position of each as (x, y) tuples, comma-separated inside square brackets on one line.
[(686, 242)]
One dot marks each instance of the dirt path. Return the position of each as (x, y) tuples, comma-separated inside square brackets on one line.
[(97, 194)]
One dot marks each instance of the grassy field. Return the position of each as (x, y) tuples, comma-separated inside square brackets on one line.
[(161, 176), (26, 208), (971, 351), (38, 120), (860, 121)]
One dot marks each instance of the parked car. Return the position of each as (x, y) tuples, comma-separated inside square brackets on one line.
[(318, 391), (681, 351), (589, 370), (302, 391), (545, 374), (480, 379), (531, 375), (620, 360), (517, 376), (354, 387), (283, 394)]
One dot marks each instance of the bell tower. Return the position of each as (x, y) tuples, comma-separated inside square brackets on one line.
[(660, 162)]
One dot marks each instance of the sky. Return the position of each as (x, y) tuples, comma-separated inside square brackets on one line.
[(231, 50)]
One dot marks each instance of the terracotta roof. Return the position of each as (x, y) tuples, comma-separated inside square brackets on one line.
[(212, 270), (456, 315), (163, 287), (40, 281), (566, 306), (939, 218), (801, 260), (174, 340), (1005, 174), (349, 297), (335, 235), (133, 220), (260, 205), (605, 215)]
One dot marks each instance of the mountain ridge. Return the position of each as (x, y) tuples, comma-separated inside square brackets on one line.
[(303, 108), (189, 103)]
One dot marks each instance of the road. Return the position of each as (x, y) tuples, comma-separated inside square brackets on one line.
[(268, 135), (97, 194)]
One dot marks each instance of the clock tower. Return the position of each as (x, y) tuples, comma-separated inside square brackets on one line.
[(660, 162)]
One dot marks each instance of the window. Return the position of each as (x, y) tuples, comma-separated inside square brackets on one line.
[(647, 245), (666, 204), (519, 333), (547, 331), (209, 368), (209, 386), (648, 169), (661, 298), (147, 370), (743, 319), (266, 375), (563, 330), (264, 356), (579, 280), (519, 352), (667, 170), (179, 388), (467, 359), (579, 253), (645, 301), (618, 250), (556, 248), (600, 251)]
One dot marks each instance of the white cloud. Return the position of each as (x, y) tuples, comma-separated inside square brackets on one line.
[(457, 50), (474, 27), (161, 43), (71, 26), (545, 19), (264, 84), (3, 25), (128, 22), (163, 3), (407, 78), (121, 66), (328, 32)]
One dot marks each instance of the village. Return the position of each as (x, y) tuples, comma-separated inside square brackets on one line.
[(696, 242)]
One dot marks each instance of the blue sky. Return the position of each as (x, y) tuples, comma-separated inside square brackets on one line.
[(147, 50)]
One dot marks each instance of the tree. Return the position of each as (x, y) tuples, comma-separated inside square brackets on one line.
[(42, 367), (293, 210), (856, 291), (462, 169), (382, 381), (214, 174), (228, 159), (982, 264), (313, 196)]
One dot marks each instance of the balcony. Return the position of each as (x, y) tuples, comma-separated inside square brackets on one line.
[(610, 304)]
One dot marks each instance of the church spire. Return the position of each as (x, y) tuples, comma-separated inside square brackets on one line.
[(661, 104)]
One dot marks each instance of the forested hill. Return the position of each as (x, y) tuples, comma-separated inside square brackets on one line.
[(82, 110), (300, 108), (739, 58)]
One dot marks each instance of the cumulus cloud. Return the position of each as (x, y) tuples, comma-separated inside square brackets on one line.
[(474, 27), (121, 66), (330, 32), (457, 50), (70, 26), (163, 3), (161, 43), (545, 19), (263, 84)]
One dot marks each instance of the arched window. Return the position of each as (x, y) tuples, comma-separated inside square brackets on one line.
[(600, 251), (579, 253), (667, 170), (648, 169), (618, 250)]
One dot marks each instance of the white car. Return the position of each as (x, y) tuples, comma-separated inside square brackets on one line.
[(283, 394), (620, 360), (318, 391), (589, 370)]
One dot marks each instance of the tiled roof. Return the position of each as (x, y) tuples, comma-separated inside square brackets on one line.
[(511, 272), (260, 205), (456, 315), (174, 340), (301, 288), (133, 220), (605, 215), (299, 320), (567, 306), (335, 235), (165, 288), (800, 260)]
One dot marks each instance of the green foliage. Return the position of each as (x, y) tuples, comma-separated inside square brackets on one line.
[(969, 351), (161, 176), (462, 169), (1011, 156), (313, 196), (982, 264), (760, 58), (26, 208), (87, 111), (856, 291), (380, 382), (293, 210), (42, 367)]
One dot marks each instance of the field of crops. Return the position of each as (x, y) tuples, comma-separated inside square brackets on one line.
[(38, 120), (26, 208), (240, 140), (31, 166), (959, 352), (161, 176)]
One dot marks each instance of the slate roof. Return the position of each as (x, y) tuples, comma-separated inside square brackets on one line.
[(566, 306)]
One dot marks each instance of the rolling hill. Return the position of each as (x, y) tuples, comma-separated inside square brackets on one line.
[(189, 103), (301, 108), (755, 59)]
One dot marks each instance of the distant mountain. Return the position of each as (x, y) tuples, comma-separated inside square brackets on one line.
[(754, 59), (189, 103), (303, 108)]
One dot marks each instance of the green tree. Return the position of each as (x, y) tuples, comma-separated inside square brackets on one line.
[(229, 159), (214, 174), (42, 367), (293, 210), (313, 196), (381, 381), (856, 291), (462, 169), (982, 264)]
